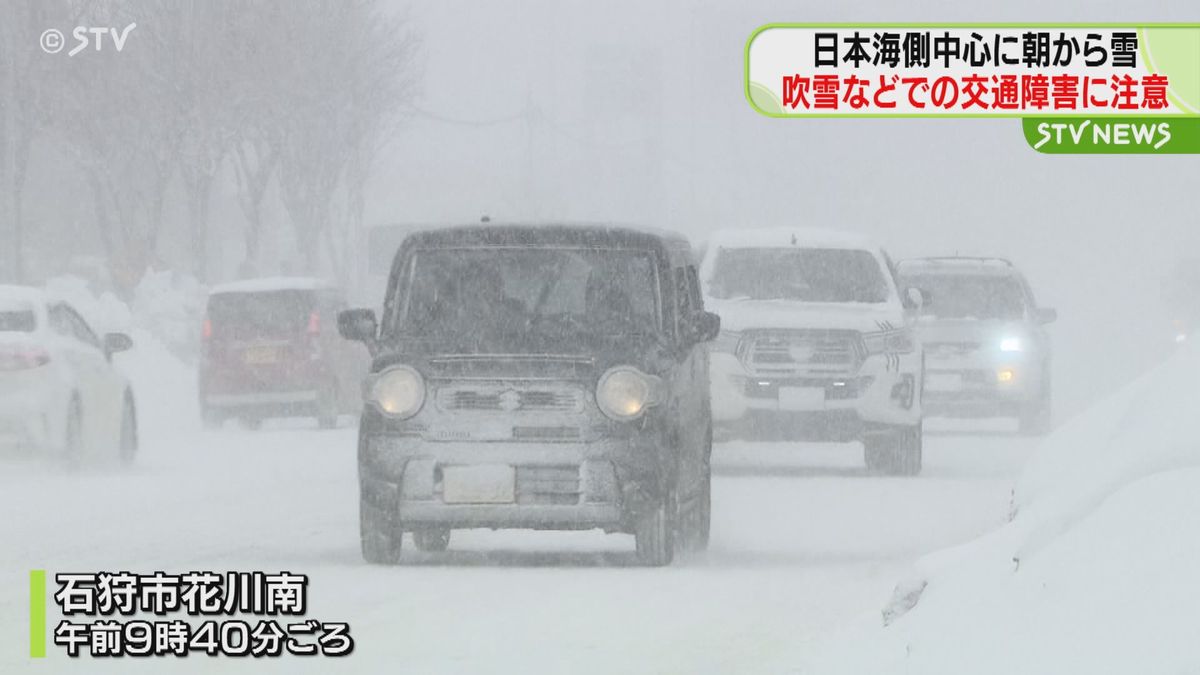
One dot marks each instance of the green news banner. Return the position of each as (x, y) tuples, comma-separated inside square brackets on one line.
[(1108, 135)]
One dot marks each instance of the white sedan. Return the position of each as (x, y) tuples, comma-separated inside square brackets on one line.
[(58, 388)]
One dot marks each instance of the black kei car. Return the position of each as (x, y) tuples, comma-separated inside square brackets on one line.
[(541, 377)]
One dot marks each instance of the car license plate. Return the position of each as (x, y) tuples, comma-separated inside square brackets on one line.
[(943, 381), (479, 484), (260, 355), (801, 398)]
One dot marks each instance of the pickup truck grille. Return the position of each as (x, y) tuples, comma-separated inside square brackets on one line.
[(807, 352), (946, 350), (502, 397)]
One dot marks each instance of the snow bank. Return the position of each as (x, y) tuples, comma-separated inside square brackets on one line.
[(104, 312), (165, 304), (1098, 571), (171, 306), (267, 284), (783, 237)]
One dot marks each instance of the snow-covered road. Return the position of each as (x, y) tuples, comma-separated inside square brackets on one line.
[(802, 539)]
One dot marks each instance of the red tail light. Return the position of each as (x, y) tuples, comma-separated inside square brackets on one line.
[(206, 330), (23, 358), (314, 323)]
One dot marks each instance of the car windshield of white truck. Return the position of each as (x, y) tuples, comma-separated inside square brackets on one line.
[(805, 274), (548, 291), (961, 296)]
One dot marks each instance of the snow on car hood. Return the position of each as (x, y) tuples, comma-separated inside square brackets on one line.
[(931, 329), (739, 315)]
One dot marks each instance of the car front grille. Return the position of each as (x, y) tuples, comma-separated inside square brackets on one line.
[(560, 433), (835, 389), (810, 352), (510, 398), (947, 350), (498, 367), (548, 485)]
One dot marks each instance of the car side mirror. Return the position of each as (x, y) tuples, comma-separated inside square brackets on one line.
[(705, 326), (116, 342), (359, 325), (1046, 315), (916, 298)]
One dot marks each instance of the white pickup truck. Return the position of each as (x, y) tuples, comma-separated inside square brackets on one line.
[(815, 343)]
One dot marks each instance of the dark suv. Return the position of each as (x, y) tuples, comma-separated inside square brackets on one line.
[(543, 377)]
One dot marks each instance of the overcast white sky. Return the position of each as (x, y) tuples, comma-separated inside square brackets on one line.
[(638, 115)]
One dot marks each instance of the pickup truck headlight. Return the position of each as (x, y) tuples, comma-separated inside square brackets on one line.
[(398, 391), (896, 341), (625, 392)]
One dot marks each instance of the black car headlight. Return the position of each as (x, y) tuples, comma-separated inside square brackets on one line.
[(624, 392), (398, 392)]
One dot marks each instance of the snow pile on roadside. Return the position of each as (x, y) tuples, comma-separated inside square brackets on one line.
[(167, 304), (1098, 571), (171, 305), (104, 312)]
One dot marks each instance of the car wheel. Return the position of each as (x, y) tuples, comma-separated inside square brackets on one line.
[(327, 407), (895, 452), (655, 534), (379, 535), (128, 447), (435, 540)]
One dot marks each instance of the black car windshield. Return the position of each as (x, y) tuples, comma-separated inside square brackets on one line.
[(547, 291), (965, 296), (807, 274)]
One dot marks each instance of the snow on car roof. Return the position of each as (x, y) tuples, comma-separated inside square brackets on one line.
[(267, 284), (22, 297), (542, 233), (777, 237), (956, 264)]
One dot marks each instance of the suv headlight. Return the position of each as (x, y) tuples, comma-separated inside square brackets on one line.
[(896, 341), (624, 392), (398, 391)]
